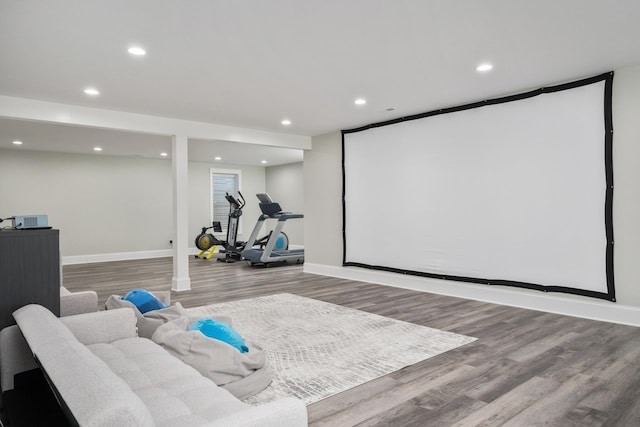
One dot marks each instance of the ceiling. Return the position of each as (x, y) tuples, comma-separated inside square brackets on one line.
[(254, 63), (40, 136)]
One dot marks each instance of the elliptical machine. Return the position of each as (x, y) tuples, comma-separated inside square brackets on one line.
[(232, 248)]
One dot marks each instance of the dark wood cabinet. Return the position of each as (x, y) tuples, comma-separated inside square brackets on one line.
[(29, 271)]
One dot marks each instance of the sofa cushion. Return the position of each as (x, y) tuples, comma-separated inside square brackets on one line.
[(175, 393), (93, 394), (103, 326)]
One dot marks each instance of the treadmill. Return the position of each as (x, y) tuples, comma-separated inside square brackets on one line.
[(270, 255)]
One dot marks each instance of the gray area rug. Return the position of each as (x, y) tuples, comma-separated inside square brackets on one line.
[(319, 349)]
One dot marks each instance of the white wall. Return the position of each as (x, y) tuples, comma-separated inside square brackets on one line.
[(626, 181), (323, 221), (108, 206), (285, 185), (323, 201), (101, 204)]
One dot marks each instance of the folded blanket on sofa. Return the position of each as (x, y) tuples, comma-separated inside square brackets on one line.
[(242, 374)]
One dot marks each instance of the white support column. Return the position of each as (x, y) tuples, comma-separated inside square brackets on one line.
[(180, 162)]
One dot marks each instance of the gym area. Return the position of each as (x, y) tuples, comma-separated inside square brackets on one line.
[(270, 249)]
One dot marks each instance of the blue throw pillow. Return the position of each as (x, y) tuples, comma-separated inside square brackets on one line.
[(220, 331), (143, 300)]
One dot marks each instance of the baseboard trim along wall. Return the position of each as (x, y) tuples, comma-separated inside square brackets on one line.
[(118, 256), (127, 256), (595, 310)]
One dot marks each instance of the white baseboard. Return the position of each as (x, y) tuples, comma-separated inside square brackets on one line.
[(120, 256), (570, 305), (126, 256)]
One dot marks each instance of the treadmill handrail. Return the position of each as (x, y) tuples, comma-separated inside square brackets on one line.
[(287, 215)]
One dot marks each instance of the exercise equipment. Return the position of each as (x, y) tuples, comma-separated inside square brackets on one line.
[(231, 247), (207, 242), (274, 247)]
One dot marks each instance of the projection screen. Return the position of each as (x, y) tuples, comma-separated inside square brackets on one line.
[(512, 191)]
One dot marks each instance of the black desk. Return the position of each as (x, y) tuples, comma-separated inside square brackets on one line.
[(29, 271)]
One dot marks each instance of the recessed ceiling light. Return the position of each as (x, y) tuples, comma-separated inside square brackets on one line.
[(484, 67), (286, 122), (163, 154), (360, 101), (92, 91), (137, 51), (264, 162), (97, 149), (218, 158), (16, 142)]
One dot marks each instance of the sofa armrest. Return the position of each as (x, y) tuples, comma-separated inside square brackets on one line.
[(285, 412), (77, 302), (102, 326), (15, 356)]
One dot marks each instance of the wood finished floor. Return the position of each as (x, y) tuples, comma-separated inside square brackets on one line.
[(527, 368)]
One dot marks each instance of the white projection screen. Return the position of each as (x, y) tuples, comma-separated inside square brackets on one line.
[(513, 191)]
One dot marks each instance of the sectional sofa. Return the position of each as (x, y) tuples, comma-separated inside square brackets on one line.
[(104, 374)]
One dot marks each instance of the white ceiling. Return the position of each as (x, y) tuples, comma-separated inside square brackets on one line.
[(253, 63)]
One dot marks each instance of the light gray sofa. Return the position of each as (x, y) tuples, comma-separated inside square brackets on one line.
[(77, 302), (108, 376)]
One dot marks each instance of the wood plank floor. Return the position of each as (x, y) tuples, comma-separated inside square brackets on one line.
[(527, 368)]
